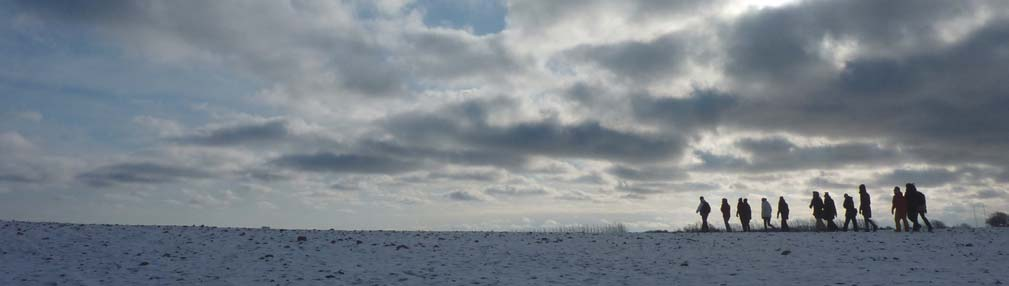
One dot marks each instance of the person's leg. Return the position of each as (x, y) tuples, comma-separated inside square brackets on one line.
[(925, 220), (704, 222), (913, 215), (869, 221), (784, 224), (907, 226), (854, 222), (846, 221), (819, 224)]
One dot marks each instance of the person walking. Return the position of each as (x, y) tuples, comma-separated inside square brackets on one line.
[(899, 210), (817, 205), (726, 213), (783, 213), (765, 213), (747, 214), (916, 207), (865, 209), (739, 214), (704, 209), (829, 211), (850, 213)]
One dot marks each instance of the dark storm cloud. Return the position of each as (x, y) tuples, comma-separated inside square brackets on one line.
[(991, 194), (774, 44), (703, 108), (930, 177), (466, 156), (140, 173), (779, 154), (345, 163), (638, 60), (467, 125), (906, 86), (272, 130)]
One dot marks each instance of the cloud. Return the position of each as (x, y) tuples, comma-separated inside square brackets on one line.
[(464, 196), (645, 61), (477, 176), (779, 154), (702, 109), (467, 125), (344, 163), (648, 173), (140, 173), (929, 177), (510, 191), (250, 133)]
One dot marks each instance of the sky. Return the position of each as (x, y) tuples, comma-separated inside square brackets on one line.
[(495, 115)]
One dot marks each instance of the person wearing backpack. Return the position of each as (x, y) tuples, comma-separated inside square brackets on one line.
[(899, 210), (829, 211), (850, 213), (916, 207), (704, 209), (783, 213), (817, 205)]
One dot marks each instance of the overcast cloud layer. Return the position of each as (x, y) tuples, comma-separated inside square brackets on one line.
[(469, 114)]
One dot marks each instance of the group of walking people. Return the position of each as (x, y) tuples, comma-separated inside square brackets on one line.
[(910, 204)]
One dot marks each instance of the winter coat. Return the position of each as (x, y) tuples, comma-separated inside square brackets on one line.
[(849, 207), (746, 212), (899, 207), (919, 201), (864, 204), (726, 210), (817, 205), (829, 209), (765, 209), (783, 209), (704, 208)]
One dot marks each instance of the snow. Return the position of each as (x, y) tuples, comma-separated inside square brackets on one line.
[(72, 254)]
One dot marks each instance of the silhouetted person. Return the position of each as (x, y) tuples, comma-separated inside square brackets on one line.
[(739, 213), (817, 205), (704, 209), (829, 212), (726, 213), (899, 210), (747, 214), (865, 209), (916, 207), (783, 213), (850, 213), (765, 213)]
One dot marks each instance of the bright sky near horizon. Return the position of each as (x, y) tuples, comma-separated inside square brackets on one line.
[(494, 115)]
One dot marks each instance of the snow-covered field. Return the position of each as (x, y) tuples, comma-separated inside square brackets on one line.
[(71, 254)]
